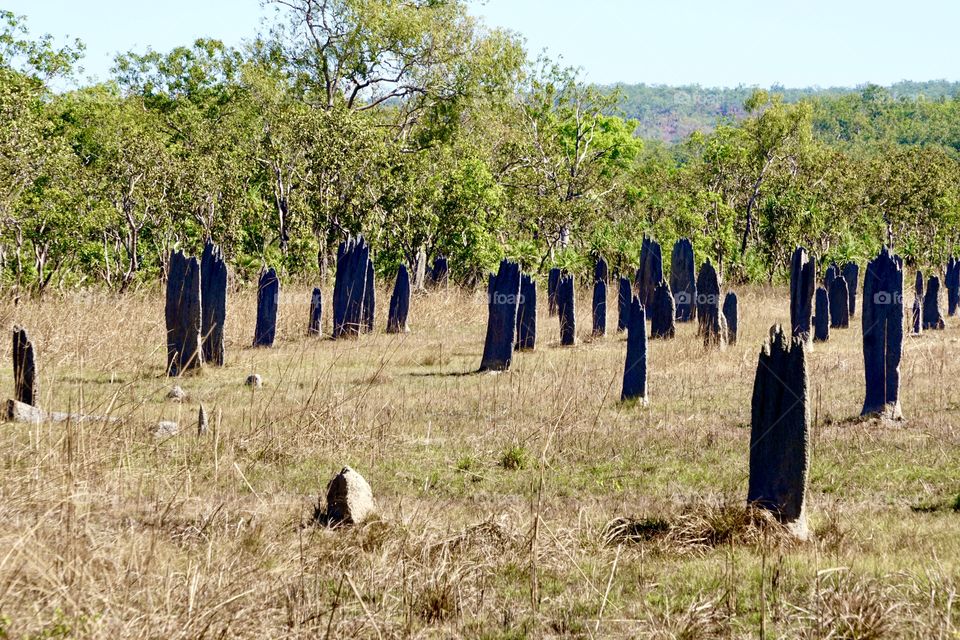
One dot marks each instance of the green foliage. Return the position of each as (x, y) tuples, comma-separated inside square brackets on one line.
[(572, 261), (34, 58), (413, 123), (562, 163)]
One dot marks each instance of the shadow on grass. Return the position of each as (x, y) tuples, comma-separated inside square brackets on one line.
[(451, 374)]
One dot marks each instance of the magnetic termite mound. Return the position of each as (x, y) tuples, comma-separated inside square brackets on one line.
[(882, 320), (503, 292), (802, 285), (779, 427)]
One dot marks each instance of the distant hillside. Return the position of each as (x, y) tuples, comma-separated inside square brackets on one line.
[(671, 114)]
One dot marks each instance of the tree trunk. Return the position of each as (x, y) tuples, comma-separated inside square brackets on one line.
[(133, 258), (746, 232), (329, 249), (106, 261), (19, 239), (419, 269), (282, 211)]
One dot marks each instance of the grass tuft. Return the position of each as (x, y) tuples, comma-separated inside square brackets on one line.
[(515, 458), (699, 526)]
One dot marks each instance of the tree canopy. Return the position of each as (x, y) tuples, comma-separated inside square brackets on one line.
[(431, 133)]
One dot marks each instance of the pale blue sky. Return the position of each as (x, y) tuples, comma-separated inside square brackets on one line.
[(751, 42)]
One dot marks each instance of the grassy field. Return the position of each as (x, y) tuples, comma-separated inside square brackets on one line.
[(526, 504)]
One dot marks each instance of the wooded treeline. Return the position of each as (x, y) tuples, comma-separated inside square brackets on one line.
[(413, 123), (671, 113)]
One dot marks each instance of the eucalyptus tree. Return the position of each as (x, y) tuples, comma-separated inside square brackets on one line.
[(776, 134), (33, 157), (399, 84), (130, 171), (569, 158), (285, 132), (195, 97), (913, 192), (361, 54)]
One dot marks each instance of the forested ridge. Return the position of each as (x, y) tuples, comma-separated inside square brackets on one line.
[(671, 113), (433, 134)]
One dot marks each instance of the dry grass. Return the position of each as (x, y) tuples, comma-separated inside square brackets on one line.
[(497, 493)]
